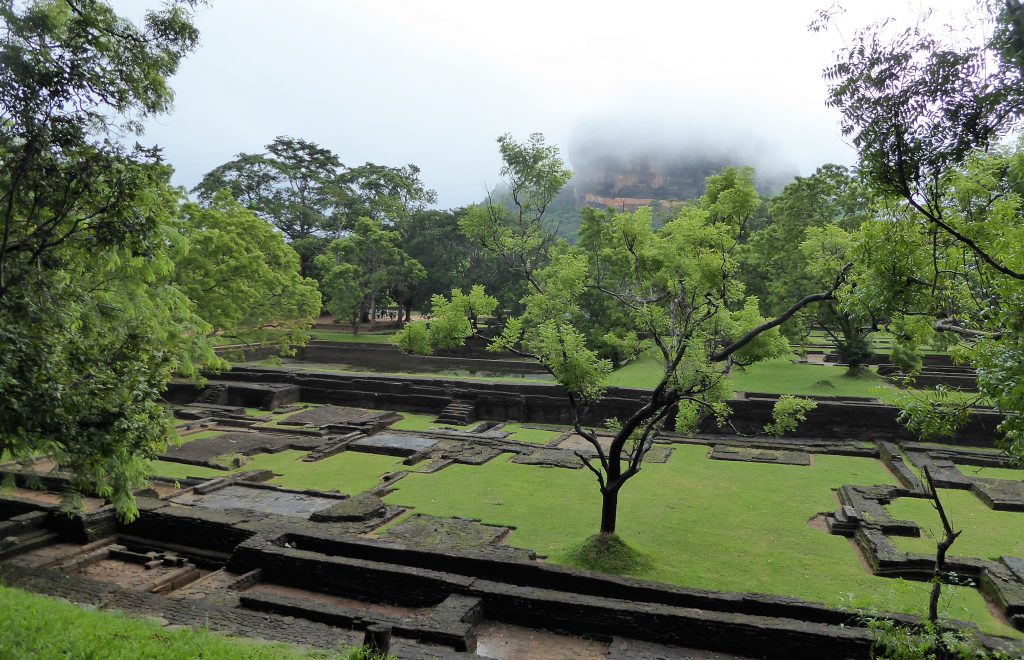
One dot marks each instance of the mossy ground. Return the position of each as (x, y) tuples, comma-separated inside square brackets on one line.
[(609, 554)]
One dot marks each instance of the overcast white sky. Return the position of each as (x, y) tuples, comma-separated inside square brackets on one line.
[(435, 82)]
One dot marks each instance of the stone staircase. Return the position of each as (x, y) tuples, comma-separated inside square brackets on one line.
[(215, 394), (457, 413)]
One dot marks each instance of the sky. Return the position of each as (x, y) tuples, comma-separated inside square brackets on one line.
[(436, 82)]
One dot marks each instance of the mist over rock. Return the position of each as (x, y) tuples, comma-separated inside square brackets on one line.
[(614, 168)]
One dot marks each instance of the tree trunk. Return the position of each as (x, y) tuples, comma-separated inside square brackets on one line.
[(609, 510), (408, 312)]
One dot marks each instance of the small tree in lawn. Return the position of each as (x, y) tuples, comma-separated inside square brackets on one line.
[(680, 302)]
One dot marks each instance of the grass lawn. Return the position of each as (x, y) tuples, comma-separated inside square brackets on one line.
[(988, 534), (786, 377), (362, 337), (189, 437), (707, 524), (424, 422), (782, 376), (173, 470), (348, 472), (33, 626), (533, 436), (1013, 474)]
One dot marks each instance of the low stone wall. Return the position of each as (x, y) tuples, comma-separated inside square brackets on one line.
[(580, 613), (541, 403), (384, 357)]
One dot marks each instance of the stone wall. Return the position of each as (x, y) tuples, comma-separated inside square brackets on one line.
[(542, 403)]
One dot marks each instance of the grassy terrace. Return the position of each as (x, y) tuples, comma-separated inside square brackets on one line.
[(33, 626), (348, 472), (706, 524), (988, 534), (782, 376), (721, 525)]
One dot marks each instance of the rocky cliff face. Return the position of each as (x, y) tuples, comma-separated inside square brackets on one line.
[(657, 179)]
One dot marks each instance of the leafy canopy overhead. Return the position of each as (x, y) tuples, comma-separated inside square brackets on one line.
[(91, 328)]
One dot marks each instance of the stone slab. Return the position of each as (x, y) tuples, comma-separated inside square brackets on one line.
[(393, 444), (323, 415), (751, 455), (560, 458), (267, 500), (204, 450)]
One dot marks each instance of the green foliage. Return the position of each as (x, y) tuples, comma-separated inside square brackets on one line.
[(363, 268), (927, 109), (934, 414), (239, 272), (414, 338), (91, 328), (533, 173), (304, 190), (453, 320), (788, 413), (926, 641), (624, 289)]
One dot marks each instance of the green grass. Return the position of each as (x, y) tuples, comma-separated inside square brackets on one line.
[(787, 377), (533, 436), (987, 534), (608, 553), (362, 337), (256, 336), (172, 470), (719, 525), (347, 472), (33, 626), (1013, 474), (423, 422), (190, 437), (275, 420), (454, 374), (782, 376)]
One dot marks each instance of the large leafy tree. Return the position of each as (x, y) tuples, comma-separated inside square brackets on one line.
[(295, 185), (305, 191), (816, 212), (451, 261), (239, 272), (923, 110), (362, 269), (90, 327), (679, 297)]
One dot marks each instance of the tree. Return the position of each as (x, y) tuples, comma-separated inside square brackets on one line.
[(533, 174), (824, 204), (305, 190), (385, 194), (90, 328), (239, 272), (454, 319), (360, 269), (925, 114), (679, 297), (296, 186)]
